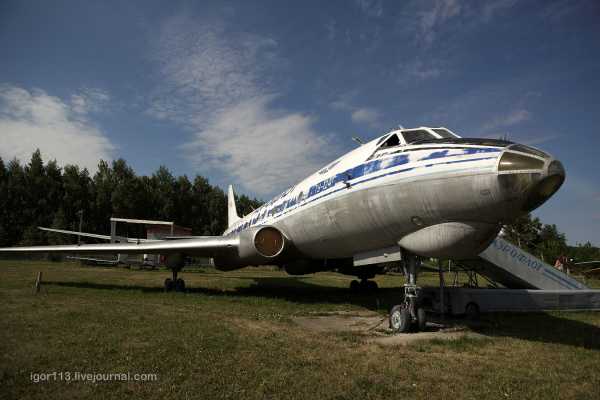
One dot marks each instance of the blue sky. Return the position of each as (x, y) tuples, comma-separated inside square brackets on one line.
[(260, 94)]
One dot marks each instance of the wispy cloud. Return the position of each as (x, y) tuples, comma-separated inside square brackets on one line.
[(371, 8), (492, 8), (417, 70), (434, 18), (534, 140), (62, 130), (437, 14), (218, 83), (557, 11), (367, 116), (512, 118), (89, 100)]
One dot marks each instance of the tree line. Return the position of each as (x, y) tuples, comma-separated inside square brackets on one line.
[(546, 241), (43, 194), (38, 194)]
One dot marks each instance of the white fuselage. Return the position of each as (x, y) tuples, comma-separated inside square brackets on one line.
[(374, 197)]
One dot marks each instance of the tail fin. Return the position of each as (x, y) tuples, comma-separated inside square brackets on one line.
[(232, 215)]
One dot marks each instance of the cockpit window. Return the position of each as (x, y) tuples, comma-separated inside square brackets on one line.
[(413, 136), (391, 141), (381, 139), (443, 132)]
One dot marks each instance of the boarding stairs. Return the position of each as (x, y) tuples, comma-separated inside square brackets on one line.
[(519, 281), (515, 268)]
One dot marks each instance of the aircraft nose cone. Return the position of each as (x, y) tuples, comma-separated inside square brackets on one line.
[(528, 177), (551, 180)]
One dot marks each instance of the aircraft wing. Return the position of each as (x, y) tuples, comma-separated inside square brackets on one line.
[(92, 235), (208, 246)]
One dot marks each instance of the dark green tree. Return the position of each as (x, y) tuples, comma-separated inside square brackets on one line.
[(16, 198), (4, 238)]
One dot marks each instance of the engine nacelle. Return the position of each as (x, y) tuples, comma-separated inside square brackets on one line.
[(258, 245)]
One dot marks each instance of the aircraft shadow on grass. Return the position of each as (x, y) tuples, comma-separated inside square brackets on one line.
[(539, 327)]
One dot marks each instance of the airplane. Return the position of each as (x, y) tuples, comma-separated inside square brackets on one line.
[(418, 193)]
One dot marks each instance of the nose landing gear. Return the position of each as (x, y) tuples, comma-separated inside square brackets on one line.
[(409, 315)]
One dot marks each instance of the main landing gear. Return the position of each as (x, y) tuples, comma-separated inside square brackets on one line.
[(365, 284), (176, 284), (410, 315)]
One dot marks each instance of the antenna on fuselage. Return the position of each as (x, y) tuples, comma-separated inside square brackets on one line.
[(358, 140)]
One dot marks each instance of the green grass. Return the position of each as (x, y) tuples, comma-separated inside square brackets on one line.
[(233, 336)]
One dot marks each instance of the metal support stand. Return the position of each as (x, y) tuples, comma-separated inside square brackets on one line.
[(38, 283)]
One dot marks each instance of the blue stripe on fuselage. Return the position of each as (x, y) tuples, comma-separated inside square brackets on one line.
[(350, 176)]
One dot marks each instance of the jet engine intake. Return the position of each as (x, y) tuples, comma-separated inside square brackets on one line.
[(257, 246)]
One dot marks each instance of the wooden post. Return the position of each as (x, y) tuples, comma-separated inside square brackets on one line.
[(38, 282), (442, 283)]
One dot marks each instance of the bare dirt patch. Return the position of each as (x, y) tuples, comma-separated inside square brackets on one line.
[(373, 328)]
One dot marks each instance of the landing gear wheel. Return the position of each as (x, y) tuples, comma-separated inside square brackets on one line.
[(355, 286), (421, 319), (472, 312), (400, 319), (366, 285), (169, 285), (180, 285)]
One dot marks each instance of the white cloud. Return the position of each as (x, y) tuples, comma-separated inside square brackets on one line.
[(367, 116), (219, 84), (33, 119), (261, 148)]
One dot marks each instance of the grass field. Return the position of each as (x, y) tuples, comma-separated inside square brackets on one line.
[(232, 335)]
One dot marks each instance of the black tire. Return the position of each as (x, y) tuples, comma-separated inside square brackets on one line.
[(400, 319), (169, 285), (372, 286), (180, 285), (355, 286), (421, 319), (472, 312)]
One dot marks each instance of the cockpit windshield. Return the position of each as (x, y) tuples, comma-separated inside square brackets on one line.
[(392, 141), (416, 135), (443, 132)]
